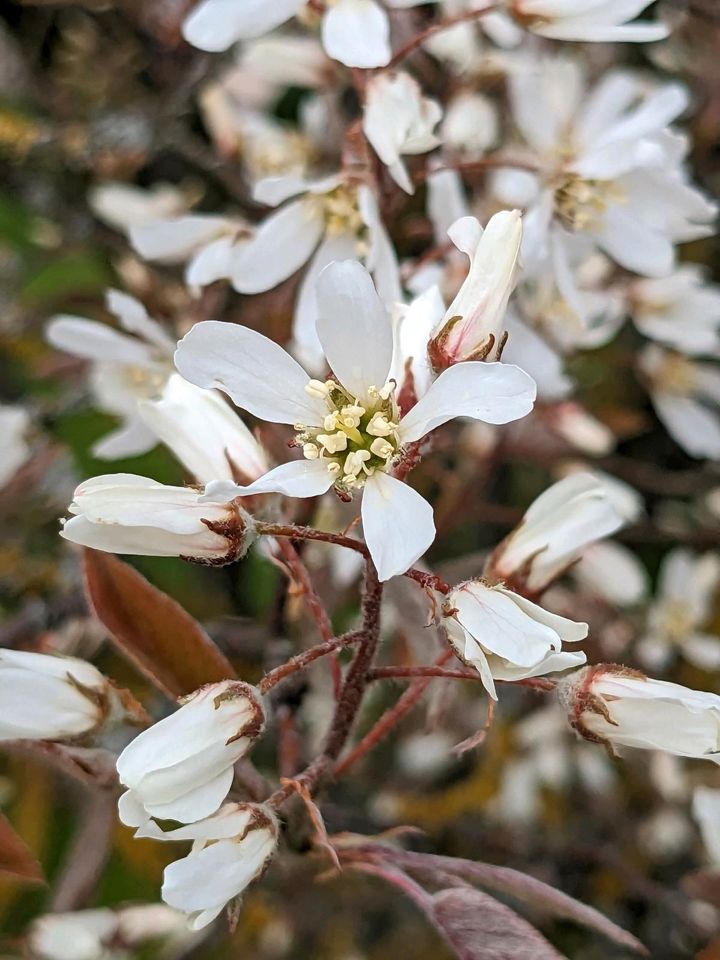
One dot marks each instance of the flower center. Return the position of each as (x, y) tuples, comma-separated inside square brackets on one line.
[(145, 383), (677, 620), (342, 212), (675, 374), (359, 435), (581, 204)]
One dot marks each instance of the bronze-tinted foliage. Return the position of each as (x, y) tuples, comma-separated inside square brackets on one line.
[(151, 629), (16, 858)]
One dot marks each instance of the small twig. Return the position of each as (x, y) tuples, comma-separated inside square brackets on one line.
[(305, 658), (419, 39), (405, 673)]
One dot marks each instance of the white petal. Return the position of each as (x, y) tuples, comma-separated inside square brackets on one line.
[(254, 371), (213, 262), (491, 392), (298, 478), (690, 424), (135, 319), (177, 238), (94, 341), (397, 523), (131, 439), (282, 244), (357, 33), (216, 24), (353, 327)]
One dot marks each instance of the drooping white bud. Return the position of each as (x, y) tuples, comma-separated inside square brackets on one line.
[(181, 768), (123, 513), (45, 697), (506, 637)]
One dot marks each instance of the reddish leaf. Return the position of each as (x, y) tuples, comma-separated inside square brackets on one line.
[(16, 858), (151, 629), (478, 927), (435, 869)]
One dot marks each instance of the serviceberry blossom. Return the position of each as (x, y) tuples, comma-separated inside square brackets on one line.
[(230, 850), (124, 369), (610, 171), (137, 516), (681, 311), (588, 20), (684, 393), (348, 426), (398, 120), (181, 768), (566, 518), (506, 637), (679, 619), (623, 708), (45, 697)]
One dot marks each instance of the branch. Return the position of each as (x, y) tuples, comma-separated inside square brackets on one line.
[(419, 39)]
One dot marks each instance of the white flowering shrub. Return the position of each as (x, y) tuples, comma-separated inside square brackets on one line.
[(381, 337)]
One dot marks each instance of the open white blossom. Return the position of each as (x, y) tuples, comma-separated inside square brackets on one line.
[(348, 427), (44, 697), (181, 768), (610, 171), (14, 425), (684, 393), (567, 517), (623, 708), (473, 325), (230, 850), (470, 125), (506, 637), (125, 369), (398, 120), (588, 20), (124, 513), (678, 619), (681, 311)]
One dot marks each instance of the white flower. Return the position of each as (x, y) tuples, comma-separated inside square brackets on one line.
[(44, 697), (398, 120), (473, 325), (181, 768), (349, 427), (125, 369), (681, 612), (124, 513), (355, 32), (568, 516), (103, 933), (621, 707), (230, 850), (82, 935), (210, 245), (706, 810), (330, 219), (122, 205), (506, 637), (14, 424), (413, 324), (589, 20), (610, 171), (682, 392), (471, 125), (680, 311), (206, 436), (610, 571)]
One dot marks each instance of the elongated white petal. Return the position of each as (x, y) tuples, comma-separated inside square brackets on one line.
[(282, 244), (353, 327), (130, 440), (298, 478), (254, 371), (177, 238), (491, 392), (134, 318), (94, 341), (357, 33), (215, 25), (397, 522)]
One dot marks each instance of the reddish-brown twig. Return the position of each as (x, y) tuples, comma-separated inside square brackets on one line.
[(419, 39)]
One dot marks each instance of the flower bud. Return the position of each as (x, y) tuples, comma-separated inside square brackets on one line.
[(614, 705), (45, 697), (181, 768), (230, 850), (506, 637), (123, 513), (568, 516), (473, 325)]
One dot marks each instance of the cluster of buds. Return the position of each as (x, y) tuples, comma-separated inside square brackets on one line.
[(44, 697)]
